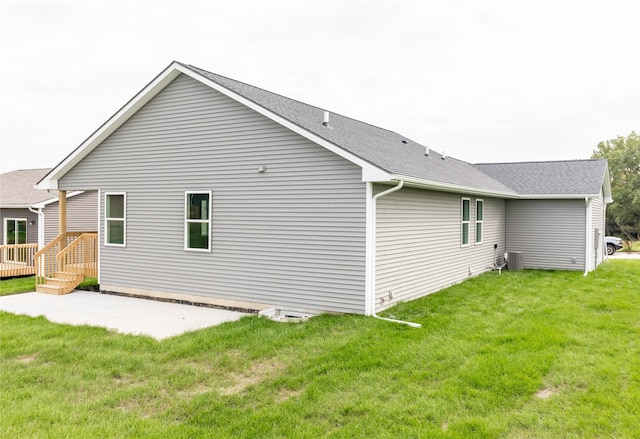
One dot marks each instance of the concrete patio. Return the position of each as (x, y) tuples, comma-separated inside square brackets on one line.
[(125, 315)]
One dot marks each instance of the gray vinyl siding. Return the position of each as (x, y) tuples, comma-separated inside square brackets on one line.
[(550, 233), (418, 243), (82, 215), (293, 236), (32, 229)]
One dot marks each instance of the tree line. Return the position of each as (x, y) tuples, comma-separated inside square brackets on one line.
[(623, 155)]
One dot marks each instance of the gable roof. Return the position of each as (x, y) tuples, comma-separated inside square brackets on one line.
[(577, 178), (383, 155), (17, 188), (385, 149)]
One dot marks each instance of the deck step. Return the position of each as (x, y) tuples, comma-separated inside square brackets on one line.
[(59, 279), (55, 284), (49, 289), (67, 275)]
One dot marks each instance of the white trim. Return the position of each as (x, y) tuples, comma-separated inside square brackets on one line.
[(124, 220), (42, 204), (481, 221), (50, 181), (16, 206), (208, 221), (449, 187), (462, 222), (558, 196), (370, 246), (589, 234), (370, 172), (99, 246)]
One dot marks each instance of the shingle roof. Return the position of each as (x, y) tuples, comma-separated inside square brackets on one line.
[(572, 177), (16, 188), (380, 147), (372, 148)]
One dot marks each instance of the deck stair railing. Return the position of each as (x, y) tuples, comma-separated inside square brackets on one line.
[(63, 263)]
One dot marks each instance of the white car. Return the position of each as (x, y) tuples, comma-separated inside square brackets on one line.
[(613, 244)]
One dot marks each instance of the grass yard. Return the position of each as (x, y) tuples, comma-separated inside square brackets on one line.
[(533, 354), (634, 246), (28, 283), (17, 285)]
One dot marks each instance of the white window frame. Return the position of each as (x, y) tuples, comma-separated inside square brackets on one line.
[(187, 221), (479, 221), (123, 219), (463, 222), (26, 229)]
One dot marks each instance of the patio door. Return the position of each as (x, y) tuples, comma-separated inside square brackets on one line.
[(15, 232)]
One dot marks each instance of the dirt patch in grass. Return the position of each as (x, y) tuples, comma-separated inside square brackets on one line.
[(546, 393), (27, 359), (286, 394), (199, 389), (256, 374)]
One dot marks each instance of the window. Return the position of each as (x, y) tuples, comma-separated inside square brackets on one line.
[(466, 206), (115, 219), (15, 231), (479, 218), (197, 227)]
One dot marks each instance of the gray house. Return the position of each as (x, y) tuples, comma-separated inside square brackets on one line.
[(215, 191), (30, 216)]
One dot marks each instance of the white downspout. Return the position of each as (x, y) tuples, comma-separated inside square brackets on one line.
[(40, 214), (370, 295), (587, 251)]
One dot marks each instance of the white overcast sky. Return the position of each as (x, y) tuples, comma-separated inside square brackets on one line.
[(485, 81)]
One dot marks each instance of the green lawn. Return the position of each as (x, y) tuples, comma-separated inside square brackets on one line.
[(28, 283), (532, 354), (17, 285)]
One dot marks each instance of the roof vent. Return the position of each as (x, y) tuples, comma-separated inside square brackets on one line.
[(426, 151), (444, 156), (326, 119), (404, 141)]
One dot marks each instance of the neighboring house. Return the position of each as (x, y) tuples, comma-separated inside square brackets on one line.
[(30, 216), (212, 190)]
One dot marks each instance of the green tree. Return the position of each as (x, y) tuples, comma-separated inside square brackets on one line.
[(623, 155)]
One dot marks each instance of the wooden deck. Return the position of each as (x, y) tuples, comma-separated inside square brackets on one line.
[(17, 260)]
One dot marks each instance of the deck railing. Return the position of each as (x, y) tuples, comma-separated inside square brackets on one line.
[(17, 259), (81, 256), (66, 258)]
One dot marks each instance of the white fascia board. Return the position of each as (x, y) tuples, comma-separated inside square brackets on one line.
[(53, 200), (373, 174), (369, 171), (558, 196), (606, 186), (448, 187), (50, 181), (15, 206)]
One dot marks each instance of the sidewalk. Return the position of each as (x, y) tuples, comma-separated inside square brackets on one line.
[(625, 255)]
